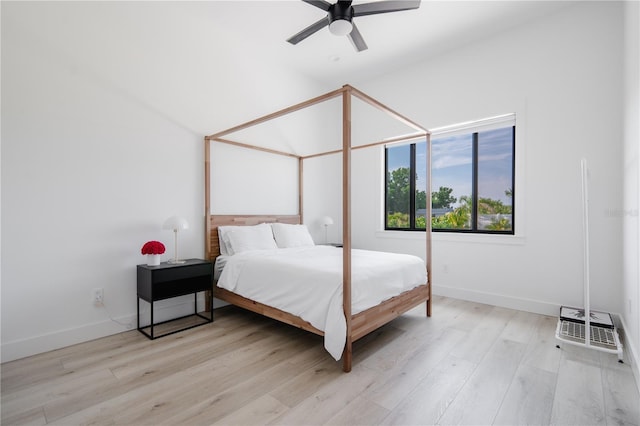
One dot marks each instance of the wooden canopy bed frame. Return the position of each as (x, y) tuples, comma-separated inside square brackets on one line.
[(364, 322)]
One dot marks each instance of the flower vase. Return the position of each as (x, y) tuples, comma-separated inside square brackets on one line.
[(153, 259)]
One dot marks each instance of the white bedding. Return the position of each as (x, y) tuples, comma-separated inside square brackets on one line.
[(307, 282)]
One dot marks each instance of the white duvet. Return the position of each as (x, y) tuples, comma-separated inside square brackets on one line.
[(307, 282)]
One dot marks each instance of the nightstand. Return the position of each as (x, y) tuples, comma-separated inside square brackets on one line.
[(169, 280), (339, 245)]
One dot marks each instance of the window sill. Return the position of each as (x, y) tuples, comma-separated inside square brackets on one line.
[(455, 237)]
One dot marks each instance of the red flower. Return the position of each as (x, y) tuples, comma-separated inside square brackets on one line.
[(153, 247)]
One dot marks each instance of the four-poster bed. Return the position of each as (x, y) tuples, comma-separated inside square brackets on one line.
[(364, 322)]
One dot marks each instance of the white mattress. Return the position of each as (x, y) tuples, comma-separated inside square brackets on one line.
[(307, 282)]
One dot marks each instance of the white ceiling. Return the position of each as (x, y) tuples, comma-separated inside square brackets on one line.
[(395, 40)]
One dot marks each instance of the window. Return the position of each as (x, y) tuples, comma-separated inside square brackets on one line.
[(472, 179)]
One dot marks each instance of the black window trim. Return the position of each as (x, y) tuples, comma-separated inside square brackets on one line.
[(474, 197)]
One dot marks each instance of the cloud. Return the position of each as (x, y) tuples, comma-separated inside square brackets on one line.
[(445, 161), (494, 157), (451, 151)]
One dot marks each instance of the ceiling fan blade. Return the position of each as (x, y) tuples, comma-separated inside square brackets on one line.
[(317, 26), (357, 40), (321, 4), (384, 7)]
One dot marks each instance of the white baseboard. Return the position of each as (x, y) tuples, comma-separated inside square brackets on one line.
[(217, 303), (21, 348), (631, 354), (521, 304)]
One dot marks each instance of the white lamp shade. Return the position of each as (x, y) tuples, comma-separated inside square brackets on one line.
[(326, 220), (176, 223)]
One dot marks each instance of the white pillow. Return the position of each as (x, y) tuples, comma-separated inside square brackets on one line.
[(243, 238), (291, 235), (223, 239)]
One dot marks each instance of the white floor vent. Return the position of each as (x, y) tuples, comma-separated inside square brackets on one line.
[(584, 327), (602, 335)]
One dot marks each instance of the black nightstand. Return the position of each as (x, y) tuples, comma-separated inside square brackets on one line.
[(169, 280), (339, 245)]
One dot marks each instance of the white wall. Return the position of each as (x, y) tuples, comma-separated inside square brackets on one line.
[(247, 181), (631, 188), (322, 196), (103, 113), (562, 76)]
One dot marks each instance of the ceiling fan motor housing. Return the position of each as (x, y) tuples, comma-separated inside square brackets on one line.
[(340, 17)]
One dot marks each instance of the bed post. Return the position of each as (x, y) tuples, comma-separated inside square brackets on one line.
[(207, 197), (346, 224), (300, 190), (207, 211), (428, 223)]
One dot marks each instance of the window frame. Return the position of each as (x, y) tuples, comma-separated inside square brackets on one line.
[(473, 128)]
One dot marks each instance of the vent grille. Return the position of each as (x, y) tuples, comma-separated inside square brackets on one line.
[(599, 336)]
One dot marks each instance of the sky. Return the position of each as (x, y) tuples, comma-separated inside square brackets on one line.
[(452, 163)]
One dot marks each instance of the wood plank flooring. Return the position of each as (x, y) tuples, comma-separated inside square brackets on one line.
[(467, 364)]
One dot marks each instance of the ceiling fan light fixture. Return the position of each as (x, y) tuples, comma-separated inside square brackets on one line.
[(341, 13), (340, 27)]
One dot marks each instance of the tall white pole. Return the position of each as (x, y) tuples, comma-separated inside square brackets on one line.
[(585, 233)]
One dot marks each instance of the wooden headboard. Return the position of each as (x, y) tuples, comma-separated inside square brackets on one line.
[(241, 220)]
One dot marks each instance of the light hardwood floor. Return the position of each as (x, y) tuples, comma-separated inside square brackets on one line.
[(467, 364)]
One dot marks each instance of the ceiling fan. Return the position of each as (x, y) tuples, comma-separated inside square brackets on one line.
[(340, 18)]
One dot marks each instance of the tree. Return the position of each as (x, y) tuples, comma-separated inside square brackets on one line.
[(500, 224), (443, 198), (398, 220), (421, 200), (460, 217), (456, 219), (398, 190), (490, 206), (509, 192)]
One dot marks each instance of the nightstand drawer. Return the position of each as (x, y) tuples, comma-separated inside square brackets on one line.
[(174, 274), (171, 280), (167, 289)]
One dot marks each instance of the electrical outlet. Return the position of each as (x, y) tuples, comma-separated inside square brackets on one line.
[(445, 268), (98, 296)]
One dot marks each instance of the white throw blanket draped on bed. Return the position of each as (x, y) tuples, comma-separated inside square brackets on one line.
[(307, 282)]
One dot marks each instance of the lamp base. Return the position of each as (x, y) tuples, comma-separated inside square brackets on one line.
[(176, 261)]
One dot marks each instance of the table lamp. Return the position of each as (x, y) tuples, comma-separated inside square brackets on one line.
[(176, 223), (326, 221)]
